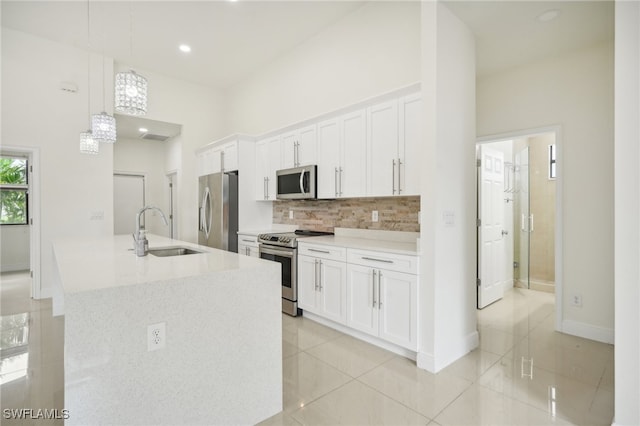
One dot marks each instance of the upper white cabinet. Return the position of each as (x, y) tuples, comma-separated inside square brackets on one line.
[(410, 138), (299, 147), (382, 153), (216, 159), (342, 147), (393, 137), (268, 161)]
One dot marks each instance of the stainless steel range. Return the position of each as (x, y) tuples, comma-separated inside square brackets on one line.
[(282, 247)]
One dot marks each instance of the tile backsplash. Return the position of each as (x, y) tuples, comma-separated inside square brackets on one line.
[(394, 213)]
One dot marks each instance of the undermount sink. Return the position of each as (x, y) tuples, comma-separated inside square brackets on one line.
[(172, 251)]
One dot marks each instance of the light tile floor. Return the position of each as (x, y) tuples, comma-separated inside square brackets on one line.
[(330, 378)]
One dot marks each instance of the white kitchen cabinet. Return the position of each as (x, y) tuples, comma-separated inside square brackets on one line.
[(382, 152), (393, 138), (410, 138), (322, 287), (322, 277), (268, 161), (342, 146), (299, 147), (383, 302), (216, 159), (248, 245)]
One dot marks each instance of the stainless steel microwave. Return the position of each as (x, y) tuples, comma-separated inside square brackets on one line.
[(298, 183)]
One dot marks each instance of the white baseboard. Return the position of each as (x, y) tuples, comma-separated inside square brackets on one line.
[(457, 350), (588, 331)]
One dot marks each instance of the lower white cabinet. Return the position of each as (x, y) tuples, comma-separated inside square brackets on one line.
[(383, 303), (322, 287), (248, 245)]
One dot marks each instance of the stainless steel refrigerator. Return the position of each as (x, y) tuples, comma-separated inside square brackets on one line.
[(218, 211)]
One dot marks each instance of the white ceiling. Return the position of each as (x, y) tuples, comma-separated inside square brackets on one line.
[(229, 40), (508, 34), (232, 40)]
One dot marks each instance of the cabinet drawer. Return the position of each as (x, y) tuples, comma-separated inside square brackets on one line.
[(323, 252), (382, 260), (248, 240)]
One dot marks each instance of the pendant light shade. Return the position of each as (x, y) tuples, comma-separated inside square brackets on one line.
[(131, 93), (87, 144), (103, 128)]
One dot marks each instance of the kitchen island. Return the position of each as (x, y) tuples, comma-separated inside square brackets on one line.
[(219, 359)]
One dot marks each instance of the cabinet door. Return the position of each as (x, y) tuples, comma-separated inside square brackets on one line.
[(262, 169), (243, 249), (230, 157), (382, 152), (333, 291), (275, 163), (409, 144), (353, 172), (306, 150), (253, 251), (398, 301), (289, 143), (307, 283), (361, 313), (328, 158)]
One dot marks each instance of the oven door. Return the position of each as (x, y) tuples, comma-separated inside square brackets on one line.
[(296, 184), (288, 259)]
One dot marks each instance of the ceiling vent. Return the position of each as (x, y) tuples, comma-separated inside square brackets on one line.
[(152, 137)]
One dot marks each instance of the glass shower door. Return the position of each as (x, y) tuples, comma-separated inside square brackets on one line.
[(522, 219)]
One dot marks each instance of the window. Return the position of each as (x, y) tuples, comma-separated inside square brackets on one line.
[(14, 189), (552, 161)]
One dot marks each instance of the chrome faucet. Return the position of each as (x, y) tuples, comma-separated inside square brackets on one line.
[(141, 244)]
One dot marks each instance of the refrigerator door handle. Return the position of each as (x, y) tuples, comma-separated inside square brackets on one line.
[(208, 213)]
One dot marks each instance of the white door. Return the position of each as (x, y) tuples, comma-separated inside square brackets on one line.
[(289, 143), (398, 304), (128, 199), (382, 153), (306, 149), (408, 169), (274, 161), (328, 158), (490, 233), (352, 175), (362, 311), (308, 283), (333, 295)]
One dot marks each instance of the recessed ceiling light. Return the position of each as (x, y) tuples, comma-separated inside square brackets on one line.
[(548, 15), (143, 130), (185, 48)]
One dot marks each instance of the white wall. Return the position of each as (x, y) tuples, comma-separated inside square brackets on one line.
[(368, 52), (201, 113), (447, 292), (14, 244), (574, 91), (36, 113), (627, 216), (145, 157)]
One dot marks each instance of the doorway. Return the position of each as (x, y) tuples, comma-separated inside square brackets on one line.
[(518, 214), (128, 199), (20, 228)]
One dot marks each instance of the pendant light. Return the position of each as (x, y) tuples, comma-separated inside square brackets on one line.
[(87, 144), (103, 125), (130, 87)]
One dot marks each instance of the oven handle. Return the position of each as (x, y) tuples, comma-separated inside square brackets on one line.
[(288, 252)]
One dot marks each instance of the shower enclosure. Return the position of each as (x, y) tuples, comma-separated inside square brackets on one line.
[(523, 224)]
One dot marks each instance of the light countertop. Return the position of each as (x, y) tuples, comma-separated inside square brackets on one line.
[(86, 264), (398, 247)]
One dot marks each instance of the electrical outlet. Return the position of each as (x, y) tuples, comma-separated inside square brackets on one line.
[(374, 216), (576, 300), (290, 214), (156, 336)]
